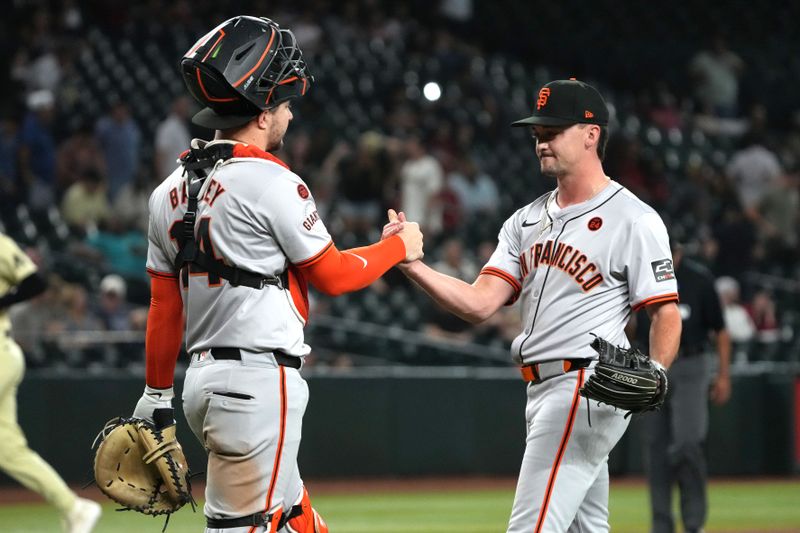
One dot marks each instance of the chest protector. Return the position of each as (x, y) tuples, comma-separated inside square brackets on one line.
[(198, 164)]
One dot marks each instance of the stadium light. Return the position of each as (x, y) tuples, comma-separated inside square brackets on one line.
[(432, 91)]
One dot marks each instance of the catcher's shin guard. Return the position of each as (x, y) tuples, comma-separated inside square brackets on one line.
[(302, 518)]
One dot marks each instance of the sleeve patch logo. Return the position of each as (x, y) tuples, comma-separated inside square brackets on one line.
[(302, 190), (662, 270)]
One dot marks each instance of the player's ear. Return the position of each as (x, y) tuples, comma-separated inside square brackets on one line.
[(264, 119), (591, 137)]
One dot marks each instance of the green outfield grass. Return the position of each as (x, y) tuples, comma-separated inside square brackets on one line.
[(735, 507)]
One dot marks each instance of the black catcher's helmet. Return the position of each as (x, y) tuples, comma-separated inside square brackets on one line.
[(241, 68)]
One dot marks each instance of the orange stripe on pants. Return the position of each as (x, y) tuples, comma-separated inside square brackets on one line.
[(281, 434), (576, 400)]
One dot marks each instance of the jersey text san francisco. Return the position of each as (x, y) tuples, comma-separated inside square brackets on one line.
[(564, 257)]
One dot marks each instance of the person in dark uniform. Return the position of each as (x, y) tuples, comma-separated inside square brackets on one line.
[(675, 435)]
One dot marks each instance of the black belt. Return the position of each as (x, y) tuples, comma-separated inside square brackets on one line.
[(236, 355), (256, 519), (260, 518)]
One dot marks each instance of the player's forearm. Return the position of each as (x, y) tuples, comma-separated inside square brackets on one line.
[(454, 295), (164, 332), (724, 351), (336, 272), (665, 332)]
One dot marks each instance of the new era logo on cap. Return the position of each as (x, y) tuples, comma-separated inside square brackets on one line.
[(567, 102)]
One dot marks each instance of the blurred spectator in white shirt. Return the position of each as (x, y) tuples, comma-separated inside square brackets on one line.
[(737, 319), (172, 137), (716, 73), (421, 179), (754, 170)]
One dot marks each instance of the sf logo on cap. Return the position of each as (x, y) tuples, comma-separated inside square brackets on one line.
[(544, 93)]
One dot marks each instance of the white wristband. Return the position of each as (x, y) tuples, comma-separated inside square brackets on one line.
[(151, 400), (658, 365), (164, 395)]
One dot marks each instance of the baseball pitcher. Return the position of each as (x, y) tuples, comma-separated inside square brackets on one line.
[(580, 259)]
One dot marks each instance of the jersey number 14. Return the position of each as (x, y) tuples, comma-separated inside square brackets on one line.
[(204, 240)]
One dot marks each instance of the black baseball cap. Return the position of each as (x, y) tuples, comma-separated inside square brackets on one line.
[(567, 102)]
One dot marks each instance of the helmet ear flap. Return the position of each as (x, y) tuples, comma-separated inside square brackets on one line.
[(205, 83), (209, 86)]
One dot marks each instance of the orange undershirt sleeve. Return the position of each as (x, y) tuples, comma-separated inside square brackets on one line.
[(164, 331), (333, 272)]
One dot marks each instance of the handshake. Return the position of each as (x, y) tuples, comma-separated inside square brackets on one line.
[(408, 231)]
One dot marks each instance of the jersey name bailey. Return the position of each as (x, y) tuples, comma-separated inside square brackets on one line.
[(565, 257), (213, 191)]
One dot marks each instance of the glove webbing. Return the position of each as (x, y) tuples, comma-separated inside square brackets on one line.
[(164, 447)]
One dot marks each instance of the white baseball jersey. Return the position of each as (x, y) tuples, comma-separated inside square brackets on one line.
[(581, 270), (254, 214)]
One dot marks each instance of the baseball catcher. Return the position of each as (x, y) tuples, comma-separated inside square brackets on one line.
[(140, 464), (625, 378)]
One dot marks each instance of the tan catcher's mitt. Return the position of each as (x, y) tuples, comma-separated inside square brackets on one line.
[(142, 467)]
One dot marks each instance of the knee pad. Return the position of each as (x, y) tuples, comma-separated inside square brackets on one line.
[(302, 518)]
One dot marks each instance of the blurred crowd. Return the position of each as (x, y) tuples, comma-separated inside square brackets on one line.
[(94, 116)]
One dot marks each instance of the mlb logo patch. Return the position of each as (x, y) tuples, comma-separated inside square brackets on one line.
[(662, 270)]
